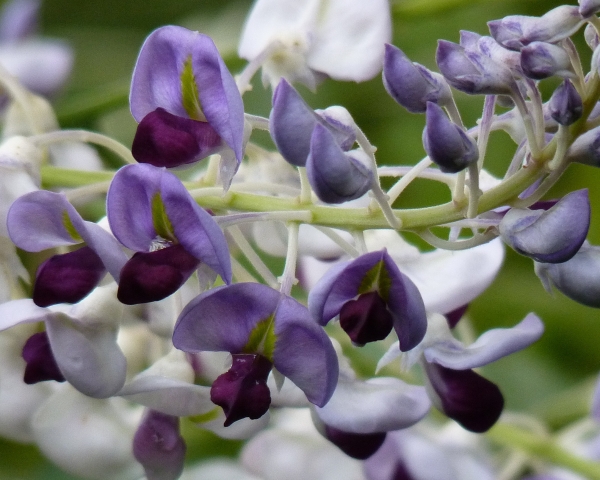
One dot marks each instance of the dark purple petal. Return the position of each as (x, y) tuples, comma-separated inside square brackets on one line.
[(356, 445), (166, 140), (577, 278), (565, 105), (446, 143), (152, 276), (222, 318), (157, 82), (551, 236), (159, 446), (465, 396), (41, 365), (291, 124), (67, 278), (541, 60), (366, 319), (411, 84), (242, 391), (335, 176)]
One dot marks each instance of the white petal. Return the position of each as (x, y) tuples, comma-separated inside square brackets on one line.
[(88, 357), (240, 430), (349, 39), (217, 470), (75, 155), (489, 347), (18, 401), (87, 437), (379, 404), (21, 311)]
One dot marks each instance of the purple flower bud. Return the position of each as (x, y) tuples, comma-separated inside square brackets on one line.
[(356, 281), (242, 391), (411, 84), (465, 396), (18, 20), (578, 278), (446, 143), (356, 445), (541, 60), (551, 236), (591, 36), (67, 278), (159, 447), (565, 105), (473, 72), (588, 7), (586, 148), (334, 175), (41, 364), (516, 31), (292, 123)]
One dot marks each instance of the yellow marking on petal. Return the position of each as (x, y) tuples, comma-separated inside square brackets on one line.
[(189, 92), (206, 417), (377, 279), (160, 220), (262, 339), (70, 228)]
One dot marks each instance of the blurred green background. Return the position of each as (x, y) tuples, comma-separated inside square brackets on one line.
[(554, 377)]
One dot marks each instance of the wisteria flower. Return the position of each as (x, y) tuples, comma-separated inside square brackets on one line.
[(41, 220), (151, 212), (304, 40), (371, 296), (262, 329), (185, 100)]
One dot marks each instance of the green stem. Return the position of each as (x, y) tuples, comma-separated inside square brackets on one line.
[(544, 448)]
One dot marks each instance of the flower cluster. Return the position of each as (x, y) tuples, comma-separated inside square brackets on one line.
[(167, 310)]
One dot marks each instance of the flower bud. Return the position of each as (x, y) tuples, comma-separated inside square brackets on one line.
[(565, 105), (586, 148), (446, 143), (411, 84), (588, 7), (541, 60), (591, 36)]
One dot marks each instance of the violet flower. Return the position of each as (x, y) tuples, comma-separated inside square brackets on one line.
[(447, 144), (565, 105), (410, 84), (292, 123), (551, 236), (577, 278), (371, 296), (541, 60), (41, 220), (185, 100), (151, 212), (455, 389), (159, 446), (262, 329)]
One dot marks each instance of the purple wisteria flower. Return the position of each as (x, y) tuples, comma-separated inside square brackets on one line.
[(159, 446), (446, 143), (262, 329), (151, 212), (41, 220), (185, 100), (455, 389), (292, 122), (473, 72), (588, 7), (81, 342), (541, 60), (565, 105), (371, 296), (516, 31), (553, 235), (578, 278), (410, 84)]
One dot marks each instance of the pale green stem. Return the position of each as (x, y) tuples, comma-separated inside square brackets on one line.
[(454, 113), (305, 190), (536, 112), (244, 78), (578, 81), (542, 189), (226, 221), (359, 239), (542, 447), (288, 278), (84, 136), (415, 172), (562, 145), (247, 250), (458, 194), (240, 273), (87, 191), (474, 241), (528, 123), (426, 174), (380, 197), (257, 122), (340, 241), (212, 171), (474, 192)]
